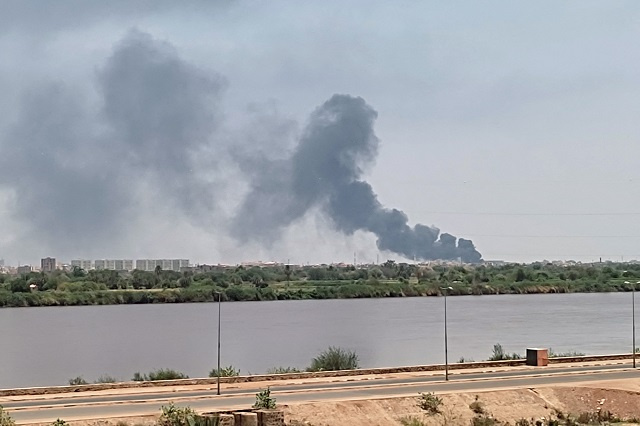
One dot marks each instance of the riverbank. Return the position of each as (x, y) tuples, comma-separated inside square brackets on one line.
[(299, 291), (290, 282)]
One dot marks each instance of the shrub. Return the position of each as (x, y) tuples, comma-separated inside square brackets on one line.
[(411, 421), (429, 402), (500, 355), (553, 354), (176, 416), (264, 400), (59, 422), (77, 381), (477, 406), (484, 421), (160, 374), (283, 370), (334, 358), (225, 372), (5, 418), (106, 379)]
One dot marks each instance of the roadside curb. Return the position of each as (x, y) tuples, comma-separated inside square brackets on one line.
[(298, 376)]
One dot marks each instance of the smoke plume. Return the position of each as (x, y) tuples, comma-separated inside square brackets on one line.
[(325, 171), (77, 168)]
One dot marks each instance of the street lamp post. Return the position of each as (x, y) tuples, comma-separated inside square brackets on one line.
[(633, 321), (446, 347), (219, 317)]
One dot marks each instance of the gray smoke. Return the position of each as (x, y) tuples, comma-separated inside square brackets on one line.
[(74, 169), (162, 113), (77, 168), (52, 162), (325, 170)]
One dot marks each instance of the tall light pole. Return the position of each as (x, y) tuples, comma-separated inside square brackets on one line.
[(446, 346), (219, 317), (633, 321)]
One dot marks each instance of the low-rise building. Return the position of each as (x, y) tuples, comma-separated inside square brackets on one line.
[(24, 269)]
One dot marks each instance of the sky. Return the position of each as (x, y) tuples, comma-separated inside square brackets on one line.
[(313, 132)]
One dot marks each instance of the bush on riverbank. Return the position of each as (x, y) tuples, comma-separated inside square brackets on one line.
[(225, 372), (334, 358), (160, 374)]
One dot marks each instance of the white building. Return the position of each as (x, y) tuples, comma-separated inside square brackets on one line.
[(82, 263), (114, 264), (165, 264)]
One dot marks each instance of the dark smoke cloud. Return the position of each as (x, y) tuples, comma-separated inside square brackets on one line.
[(325, 170), (57, 170), (162, 112), (75, 169)]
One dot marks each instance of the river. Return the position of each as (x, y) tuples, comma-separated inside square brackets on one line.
[(49, 345)]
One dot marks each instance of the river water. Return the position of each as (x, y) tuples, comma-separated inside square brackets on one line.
[(50, 345)]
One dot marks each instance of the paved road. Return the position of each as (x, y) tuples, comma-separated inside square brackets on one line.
[(70, 408)]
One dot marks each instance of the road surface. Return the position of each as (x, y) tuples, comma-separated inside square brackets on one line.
[(99, 405)]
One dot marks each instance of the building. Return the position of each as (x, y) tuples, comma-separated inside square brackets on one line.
[(165, 264), (82, 264), (114, 264), (48, 264), (24, 269)]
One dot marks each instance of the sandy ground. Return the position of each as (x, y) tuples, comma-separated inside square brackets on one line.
[(621, 397)]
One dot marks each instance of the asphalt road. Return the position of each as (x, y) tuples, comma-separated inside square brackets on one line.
[(86, 407)]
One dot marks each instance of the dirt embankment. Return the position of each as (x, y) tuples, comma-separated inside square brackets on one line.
[(506, 406), (622, 398)]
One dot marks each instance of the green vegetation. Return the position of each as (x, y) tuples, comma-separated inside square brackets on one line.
[(5, 418), (160, 374), (334, 358), (59, 422), (225, 372), (477, 406), (176, 416), (411, 421), (77, 381), (429, 403), (283, 370), (239, 283), (500, 355), (567, 354), (264, 400), (105, 378)]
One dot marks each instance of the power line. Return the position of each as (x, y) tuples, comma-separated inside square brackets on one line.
[(549, 236), (536, 214)]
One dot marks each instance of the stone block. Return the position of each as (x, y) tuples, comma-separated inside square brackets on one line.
[(270, 417), (214, 419), (246, 419)]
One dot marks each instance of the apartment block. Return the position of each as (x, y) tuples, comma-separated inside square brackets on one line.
[(48, 264), (82, 263), (165, 264), (114, 264)]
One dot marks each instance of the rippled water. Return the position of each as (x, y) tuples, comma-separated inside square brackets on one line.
[(48, 346)]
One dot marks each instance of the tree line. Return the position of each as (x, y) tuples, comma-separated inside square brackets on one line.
[(279, 282)]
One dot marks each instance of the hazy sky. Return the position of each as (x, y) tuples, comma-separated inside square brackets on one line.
[(140, 129)]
